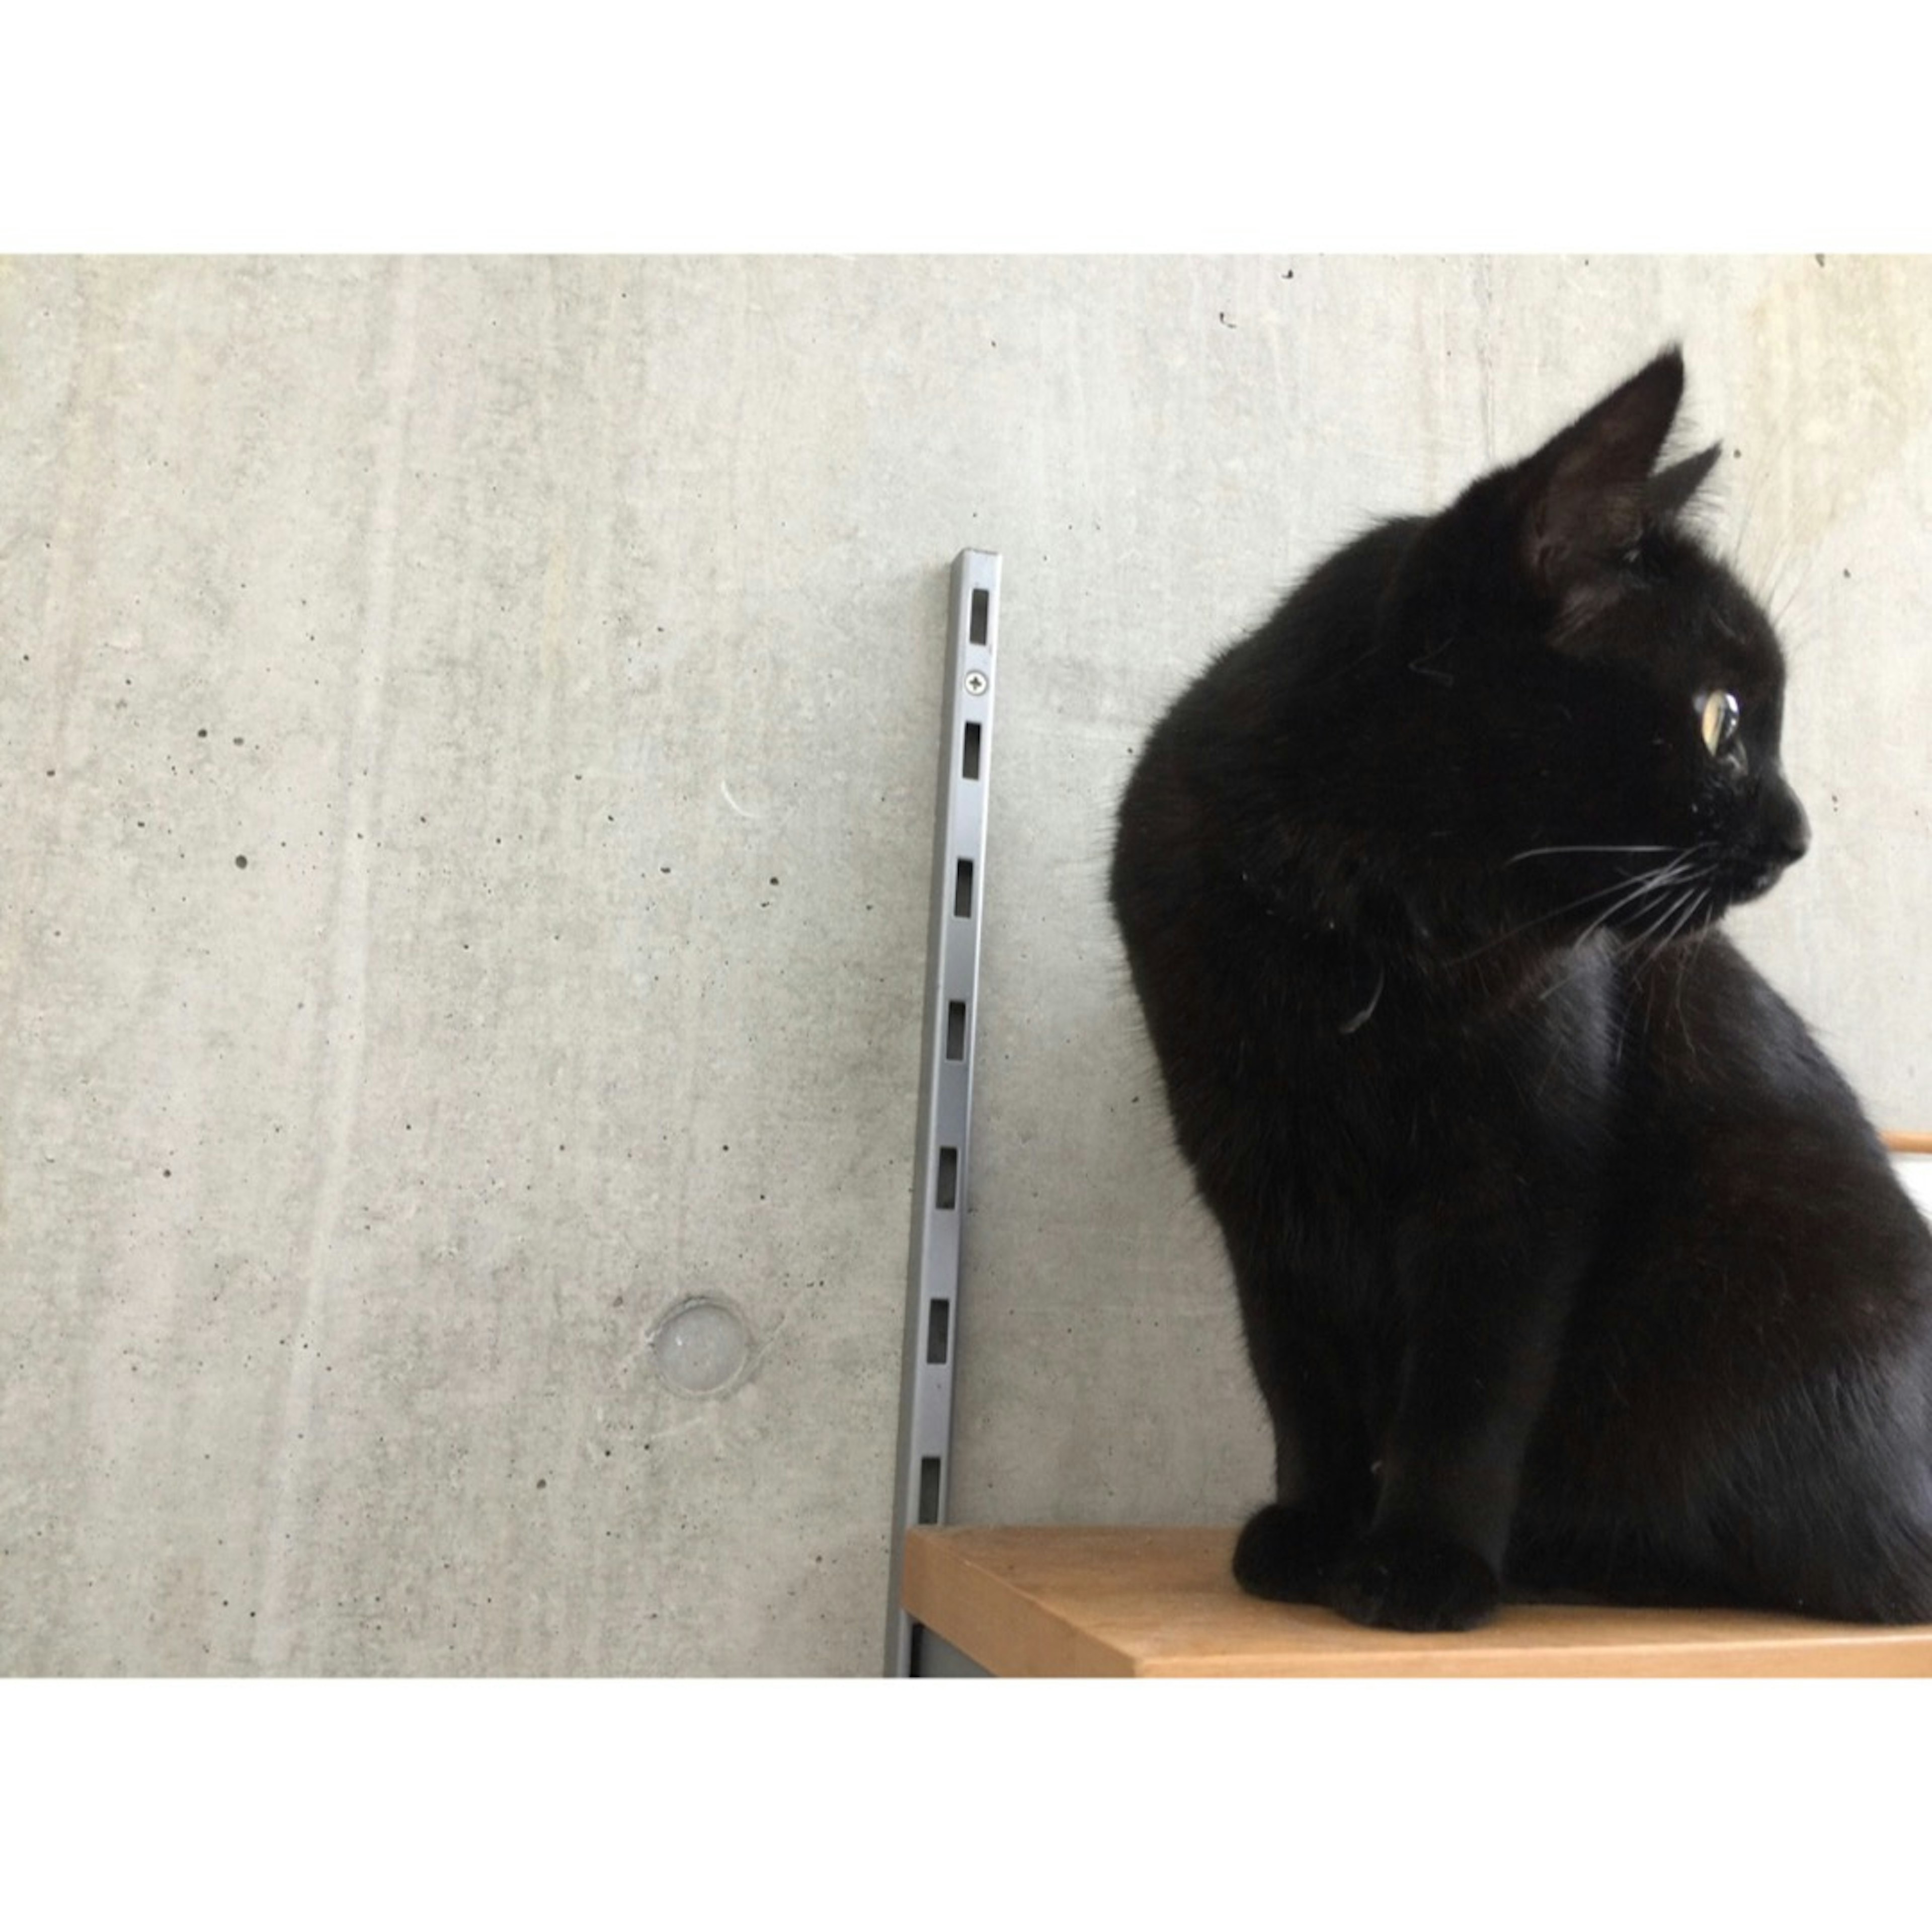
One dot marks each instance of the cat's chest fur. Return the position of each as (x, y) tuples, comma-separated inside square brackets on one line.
[(1382, 1089)]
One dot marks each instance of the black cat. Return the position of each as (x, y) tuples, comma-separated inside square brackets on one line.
[(1564, 1254)]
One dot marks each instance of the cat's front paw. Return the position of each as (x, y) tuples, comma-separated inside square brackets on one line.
[(1408, 1580), (1287, 1554)]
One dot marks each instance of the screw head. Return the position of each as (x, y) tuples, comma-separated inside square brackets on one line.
[(975, 683)]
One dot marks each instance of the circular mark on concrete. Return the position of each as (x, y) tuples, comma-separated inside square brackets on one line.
[(703, 1347)]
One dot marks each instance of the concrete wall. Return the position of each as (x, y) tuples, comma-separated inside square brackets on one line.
[(558, 644)]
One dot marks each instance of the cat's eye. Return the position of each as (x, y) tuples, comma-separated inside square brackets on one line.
[(1718, 720)]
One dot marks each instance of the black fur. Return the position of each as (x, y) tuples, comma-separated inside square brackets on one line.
[(1564, 1255)]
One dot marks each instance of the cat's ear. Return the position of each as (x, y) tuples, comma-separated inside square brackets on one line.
[(1581, 498), (1670, 490)]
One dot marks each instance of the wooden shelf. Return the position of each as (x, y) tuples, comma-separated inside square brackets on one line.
[(1161, 1602)]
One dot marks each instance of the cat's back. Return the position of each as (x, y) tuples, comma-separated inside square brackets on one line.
[(1242, 742)]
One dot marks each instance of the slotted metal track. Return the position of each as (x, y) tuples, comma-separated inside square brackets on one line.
[(946, 1080)]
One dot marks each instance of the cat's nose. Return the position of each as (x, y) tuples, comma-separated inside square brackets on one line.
[(1786, 830)]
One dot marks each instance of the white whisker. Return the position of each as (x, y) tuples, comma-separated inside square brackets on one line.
[(1660, 881), (1628, 891), (1545, 851)]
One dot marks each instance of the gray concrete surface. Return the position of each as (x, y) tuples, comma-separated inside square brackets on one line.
[(558, 642)]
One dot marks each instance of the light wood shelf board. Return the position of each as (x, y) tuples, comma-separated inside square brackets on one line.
[(1095, 1602)]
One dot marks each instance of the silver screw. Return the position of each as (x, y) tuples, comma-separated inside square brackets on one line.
[(975, 683)]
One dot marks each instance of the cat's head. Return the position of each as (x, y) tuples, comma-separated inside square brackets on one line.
[(1622, 693)]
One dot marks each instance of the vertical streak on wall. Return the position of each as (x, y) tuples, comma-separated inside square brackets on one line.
[(1483, 274), (76, 495), (338, 1088)]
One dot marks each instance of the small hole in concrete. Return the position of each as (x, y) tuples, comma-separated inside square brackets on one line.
[(702, 1347)]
